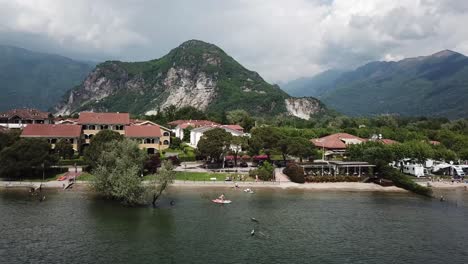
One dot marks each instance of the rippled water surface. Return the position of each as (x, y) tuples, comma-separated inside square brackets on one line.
[(295, 227)]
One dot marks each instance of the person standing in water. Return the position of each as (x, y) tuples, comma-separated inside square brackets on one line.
[(221, 197)]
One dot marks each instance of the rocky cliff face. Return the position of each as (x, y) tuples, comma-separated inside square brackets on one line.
[(195, 74), (303, 107)]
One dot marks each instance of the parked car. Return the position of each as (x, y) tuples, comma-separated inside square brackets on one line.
[(243, 164)]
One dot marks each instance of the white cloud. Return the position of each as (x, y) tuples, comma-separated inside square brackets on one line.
[(281, 40)]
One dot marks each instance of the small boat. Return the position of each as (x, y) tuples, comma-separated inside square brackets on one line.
[(219, 201)]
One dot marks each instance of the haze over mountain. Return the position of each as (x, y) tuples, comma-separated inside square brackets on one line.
[(435, 85), (194, 74), (33, 79)]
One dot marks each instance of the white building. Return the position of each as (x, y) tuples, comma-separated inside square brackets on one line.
[(197, 133)]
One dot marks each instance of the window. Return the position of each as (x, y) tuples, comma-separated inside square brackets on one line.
[(119, 127), (71, 140), (149, 141), (103, 127), (166, 142), (53, 141), (166, 134), (84, 127), (92, 127)]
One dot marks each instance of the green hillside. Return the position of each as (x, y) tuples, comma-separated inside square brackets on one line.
[(138, 87), (435, 85), (31, 79)]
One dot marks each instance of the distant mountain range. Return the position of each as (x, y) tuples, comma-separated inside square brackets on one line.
[(195, 74), (435, 85), (32, 79)]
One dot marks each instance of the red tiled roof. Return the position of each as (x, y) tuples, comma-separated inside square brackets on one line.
[(388, 141), (51, 130), (335, 141), (26, 113), (192, 123), (234, 127), (142, 131), (104, 118)]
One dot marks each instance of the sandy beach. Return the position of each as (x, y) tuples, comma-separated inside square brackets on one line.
[(332, 186)]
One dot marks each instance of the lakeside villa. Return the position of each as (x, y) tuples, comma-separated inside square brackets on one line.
[(197, 133), (150, 136), (180, 125)]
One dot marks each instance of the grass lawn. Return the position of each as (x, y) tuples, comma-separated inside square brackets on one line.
[(85, 176), (200, 176)]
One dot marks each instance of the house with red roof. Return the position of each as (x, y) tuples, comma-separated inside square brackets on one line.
[(150, 137), (92, 123), (54, 132), (336, 144), (19, 118), (180, 125)]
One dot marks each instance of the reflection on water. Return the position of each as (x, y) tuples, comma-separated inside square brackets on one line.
[(296, 226)]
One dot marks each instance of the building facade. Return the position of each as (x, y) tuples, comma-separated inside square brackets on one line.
[(20, 118), (53, 133)]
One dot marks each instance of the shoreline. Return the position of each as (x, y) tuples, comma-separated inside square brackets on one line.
[(287, 185)]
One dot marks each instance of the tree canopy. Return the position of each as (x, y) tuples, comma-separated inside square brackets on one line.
[(99, 143), (214, 144), (25, 158), (118, 172)]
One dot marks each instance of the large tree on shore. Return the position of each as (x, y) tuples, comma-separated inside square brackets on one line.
[(118, 172), (161, 180), (98, 144), (214, 144)]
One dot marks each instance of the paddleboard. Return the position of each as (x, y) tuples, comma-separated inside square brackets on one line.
[(219, 201)]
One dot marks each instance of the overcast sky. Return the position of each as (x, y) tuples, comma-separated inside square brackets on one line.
[(280, 39)]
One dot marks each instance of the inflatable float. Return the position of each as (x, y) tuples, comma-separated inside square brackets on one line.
[(219, 201)]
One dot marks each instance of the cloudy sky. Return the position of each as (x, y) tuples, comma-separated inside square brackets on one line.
[(280, 39)]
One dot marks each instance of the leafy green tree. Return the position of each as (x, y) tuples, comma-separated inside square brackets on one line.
[(188, 113), (64, 149), (175, 143), (237, 145), (302, 148), (214, 144), (266, 138), (162, 180), (8, 138), (98, 144), (118, 170), (242, 118), (186, 137), (25, 158)]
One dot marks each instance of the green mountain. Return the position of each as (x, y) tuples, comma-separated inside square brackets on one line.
[(313, 86), (194, 74), (435, 85), (32, 79)]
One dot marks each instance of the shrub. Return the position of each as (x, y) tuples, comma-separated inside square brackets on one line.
[(295, 173), (264, 172)]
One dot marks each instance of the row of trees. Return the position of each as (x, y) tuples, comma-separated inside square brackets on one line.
[(217, 143)]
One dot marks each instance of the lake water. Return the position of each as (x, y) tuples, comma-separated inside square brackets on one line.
[(295, 227)]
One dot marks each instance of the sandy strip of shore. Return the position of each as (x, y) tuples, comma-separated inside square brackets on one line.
[(332, 186), (444, 185)]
